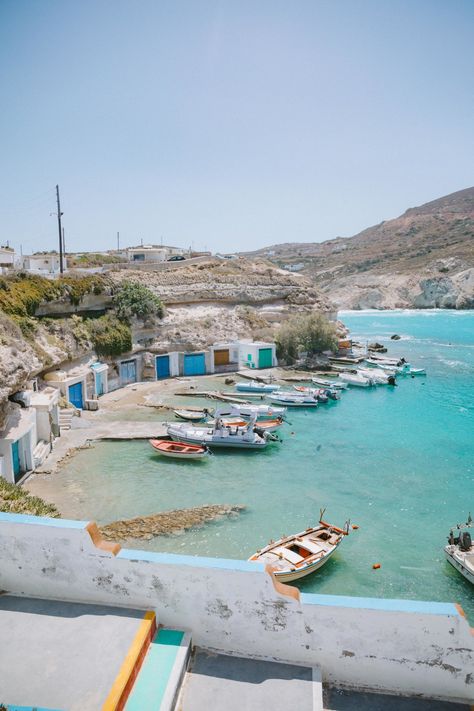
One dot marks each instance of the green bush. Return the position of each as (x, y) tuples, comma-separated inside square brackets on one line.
[(110, 336), (20, 295), (307, 333), (135, 299)]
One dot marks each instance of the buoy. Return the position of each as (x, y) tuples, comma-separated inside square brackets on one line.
[(376, 566), (355, 527)]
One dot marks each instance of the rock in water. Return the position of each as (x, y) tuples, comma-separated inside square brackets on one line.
[(162, 524), (395, 337)]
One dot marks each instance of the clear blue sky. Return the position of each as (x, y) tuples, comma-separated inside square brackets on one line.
[(231, 125)]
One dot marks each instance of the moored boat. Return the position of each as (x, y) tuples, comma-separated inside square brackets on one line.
[(294, 557), (179, 450), (258, 411), (191, 415), (294, 399), (355, 380), (220, 436), (460, 550), (338, 385), (264, 425), (254, 387)]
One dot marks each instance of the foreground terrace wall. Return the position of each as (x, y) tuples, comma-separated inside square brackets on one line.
[(233, 607)]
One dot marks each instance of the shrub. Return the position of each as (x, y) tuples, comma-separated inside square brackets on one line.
[(110, 336), (21, 294), (135, 299), (310, 333)]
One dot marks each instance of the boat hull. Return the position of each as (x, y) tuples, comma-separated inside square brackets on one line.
[(294, 403), (298, 574), (174, 451), (459, 565)]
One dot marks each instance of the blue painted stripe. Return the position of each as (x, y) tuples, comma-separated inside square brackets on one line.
[(42, 520), (374, 603), (29, 708), (194, 561)]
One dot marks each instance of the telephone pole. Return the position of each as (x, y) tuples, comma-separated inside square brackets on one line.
[(61, 264), (118, 241)]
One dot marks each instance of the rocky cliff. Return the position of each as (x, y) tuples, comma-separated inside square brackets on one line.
[(205, 303), (422, 259)]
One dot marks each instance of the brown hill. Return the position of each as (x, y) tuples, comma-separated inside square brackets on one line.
[(428, 252)]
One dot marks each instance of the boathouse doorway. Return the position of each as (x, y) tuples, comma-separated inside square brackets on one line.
[(162, 367), (194, 364)]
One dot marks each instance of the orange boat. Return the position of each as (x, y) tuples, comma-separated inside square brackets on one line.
[(179, 450)]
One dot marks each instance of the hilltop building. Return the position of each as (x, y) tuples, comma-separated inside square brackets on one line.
[(43, 264)]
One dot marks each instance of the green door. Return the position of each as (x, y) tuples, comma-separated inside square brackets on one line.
[(265, 359), (16, 460)]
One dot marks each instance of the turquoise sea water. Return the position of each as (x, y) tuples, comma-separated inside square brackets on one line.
[(397, 462)]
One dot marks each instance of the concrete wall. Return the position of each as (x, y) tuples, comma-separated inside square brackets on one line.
[(233, 607)]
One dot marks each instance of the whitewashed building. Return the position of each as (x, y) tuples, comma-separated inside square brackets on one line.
[(257, 354), (17, 443), (43, 264)]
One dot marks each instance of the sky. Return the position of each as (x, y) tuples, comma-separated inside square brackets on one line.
[(228, 125)]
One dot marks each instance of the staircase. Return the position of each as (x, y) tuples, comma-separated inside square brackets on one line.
[(65, 418), (40, 453), (160, 677)]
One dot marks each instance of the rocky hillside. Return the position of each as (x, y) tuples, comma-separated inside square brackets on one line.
[(218, 301), (422, 259), (44, 324)]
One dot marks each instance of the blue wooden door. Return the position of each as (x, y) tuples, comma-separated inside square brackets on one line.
[(163, 366), (194, 364), (75, 395), (128, 372), (16, 460), (99, 383)]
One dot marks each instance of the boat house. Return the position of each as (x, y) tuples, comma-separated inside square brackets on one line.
[(101, 381), (71, 384), (167, 365), (17, 443), (225, 357), (257, 354)]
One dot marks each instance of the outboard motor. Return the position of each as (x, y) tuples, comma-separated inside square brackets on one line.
[(391, 380), (465, 541)]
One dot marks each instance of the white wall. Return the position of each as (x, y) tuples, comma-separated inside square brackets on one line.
[(232, 607), (22, 428)]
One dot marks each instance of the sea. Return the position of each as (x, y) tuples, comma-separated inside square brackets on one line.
[(397, 462)]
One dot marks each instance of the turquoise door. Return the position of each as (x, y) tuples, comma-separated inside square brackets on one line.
[(163, 366), (16, 460), (75, 395), (99, 383), (194, 364), (128, 372), (265, 359)]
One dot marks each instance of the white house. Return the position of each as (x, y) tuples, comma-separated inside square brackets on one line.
[(43, 264), (71, 384), (7, 257), (154, 253), (225, 356)]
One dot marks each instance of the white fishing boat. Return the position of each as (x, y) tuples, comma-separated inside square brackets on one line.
[(264, 425), (294, 557), (330, 383), (460, 550), (319, 394), (250, 410), (254, 387), (354, 380), (294, 399), (377, 376), (383, 360), (220, 436), (191, 415)]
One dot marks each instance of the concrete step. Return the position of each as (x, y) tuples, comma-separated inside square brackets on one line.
[(65, 418), (216, 681), (159, 681), (40, 453)]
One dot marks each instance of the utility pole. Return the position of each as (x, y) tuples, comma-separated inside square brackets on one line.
[(118, 241), (64, 244), (61, 264)]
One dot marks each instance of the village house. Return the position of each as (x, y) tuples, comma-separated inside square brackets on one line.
[(154, 253), (43, 264), (7, 258)]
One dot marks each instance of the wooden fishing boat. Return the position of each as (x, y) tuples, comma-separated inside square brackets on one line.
[(220, 436), (191, 415), (179, 450), (460, 550), (294, 557)]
